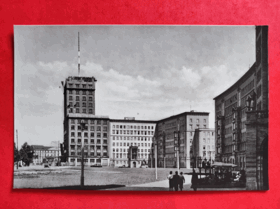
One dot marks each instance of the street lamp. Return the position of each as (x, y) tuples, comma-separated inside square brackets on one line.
[(156, 143), (83, 127), (177, 146)]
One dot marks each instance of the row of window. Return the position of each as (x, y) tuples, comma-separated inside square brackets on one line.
[(131, 144), (127, 150), (82, 92), (208, 147), (116, 156), (77, 104), (131, 132), (77, 110), (91, 121), (80, 85), (86, 141), (197, 120), (98, 128), (208, 141), (132, 127), (84, 98), (197, 126), (92, 154), (132, 138), (91, 134)]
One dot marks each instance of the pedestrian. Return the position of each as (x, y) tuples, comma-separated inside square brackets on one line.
[(170, 178), (176, 180), (194, 180), (182, 181)]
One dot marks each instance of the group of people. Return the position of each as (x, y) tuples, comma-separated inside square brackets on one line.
[(176, 181)]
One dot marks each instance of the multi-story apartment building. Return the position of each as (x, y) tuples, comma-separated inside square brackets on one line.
[(203, 146), (241, 114), (185, 123), (79, 106), (130, 135)]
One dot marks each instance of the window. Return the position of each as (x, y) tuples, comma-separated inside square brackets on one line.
[(204, 126), (77, 85), (99, 122), (104, 134), (204, 120), (84, 93), (92, 128), (77, 98), (90, 98), (77, 92), (73, 140), (190, 120), (72, 127), (86, 134), (191, 126), (77, 110), (197, 120), (70, 98), (79, 134), (72, 133), (90, 104), (84, 104), (104, 128), (84, 110), (99, 135), (98, 128), (84, 85), (92, 141), (90, 92), (70, 85), (73, 121), (70, 92), (84, 98), (77, 104), (86, 141), (92, 134)]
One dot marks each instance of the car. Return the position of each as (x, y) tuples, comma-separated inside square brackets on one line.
[(96, 165), (122, 166)]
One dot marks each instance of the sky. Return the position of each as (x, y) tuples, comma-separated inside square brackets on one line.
[(146, 72)]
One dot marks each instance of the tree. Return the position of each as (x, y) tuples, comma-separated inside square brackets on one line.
[(26, 153), (16, 154)]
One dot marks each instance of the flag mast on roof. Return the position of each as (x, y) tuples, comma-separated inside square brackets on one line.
[(79, 54)]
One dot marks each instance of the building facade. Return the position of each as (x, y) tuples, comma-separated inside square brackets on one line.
[(130, 142), (51, 153), (203, 146), (79, 107), (241, 114), (185, 123)]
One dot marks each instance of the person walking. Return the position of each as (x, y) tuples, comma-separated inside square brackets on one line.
[(176, 180), (182, 181), (170, 178), (194, 180)]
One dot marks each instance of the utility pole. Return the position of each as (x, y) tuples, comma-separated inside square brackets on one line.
[(17, 149)]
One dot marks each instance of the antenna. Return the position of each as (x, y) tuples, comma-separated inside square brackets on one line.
[(79, 54)]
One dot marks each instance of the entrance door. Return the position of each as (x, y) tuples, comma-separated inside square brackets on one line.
[(134, 164)]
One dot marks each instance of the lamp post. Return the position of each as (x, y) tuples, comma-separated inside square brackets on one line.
[(155, 141), (83, 126), (177, 146)]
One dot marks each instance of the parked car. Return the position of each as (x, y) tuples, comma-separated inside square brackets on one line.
[(122, 166), (96, 165)]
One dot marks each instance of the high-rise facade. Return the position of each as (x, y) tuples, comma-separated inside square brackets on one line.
[(129, 133), (185, 123), (241, 114), (79, 107)]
